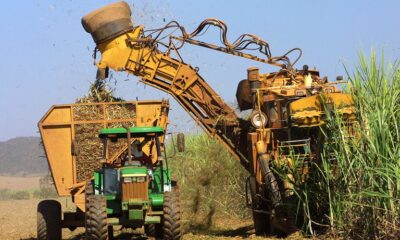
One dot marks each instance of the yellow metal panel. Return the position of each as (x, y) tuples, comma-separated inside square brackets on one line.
[(147, 114), (341, 101), (58, 114), (308, 111), (57, 142)]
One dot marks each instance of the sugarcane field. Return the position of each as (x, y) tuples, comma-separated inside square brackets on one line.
[(137, 120)]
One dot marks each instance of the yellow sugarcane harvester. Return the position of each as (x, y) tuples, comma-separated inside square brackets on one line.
[(288, 106)]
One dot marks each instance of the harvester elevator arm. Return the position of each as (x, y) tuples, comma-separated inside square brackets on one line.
[(138, 55), (124, 47)]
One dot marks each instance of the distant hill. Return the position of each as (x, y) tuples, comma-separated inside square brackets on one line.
[(22, 156)]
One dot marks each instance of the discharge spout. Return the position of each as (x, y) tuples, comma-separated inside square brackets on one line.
[(108, 22)]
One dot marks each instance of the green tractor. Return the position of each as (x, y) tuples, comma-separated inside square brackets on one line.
[(134, 190)]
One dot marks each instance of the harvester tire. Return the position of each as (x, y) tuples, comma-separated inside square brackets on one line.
[(96, 218), (49, 220), (270, 180), (172, 229), (261, 219), (262, 223)]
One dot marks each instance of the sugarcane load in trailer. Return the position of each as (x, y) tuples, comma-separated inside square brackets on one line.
[(288, 106), (110, 158)]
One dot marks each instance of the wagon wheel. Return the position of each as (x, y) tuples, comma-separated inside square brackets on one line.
[(49, 220)]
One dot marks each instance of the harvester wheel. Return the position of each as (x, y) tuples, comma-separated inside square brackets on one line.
[(261, 222), (49, 220), (96, 218), (172, 229), (261, 219)]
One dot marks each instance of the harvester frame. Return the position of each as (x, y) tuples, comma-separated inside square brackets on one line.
[(288, 106)]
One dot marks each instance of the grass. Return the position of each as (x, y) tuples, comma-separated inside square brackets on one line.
[(211, 182), (7, 194), (367, 200), (45, 193), (355, 189), (353, 192)]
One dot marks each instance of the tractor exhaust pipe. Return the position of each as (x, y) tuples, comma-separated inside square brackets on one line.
[(128, 135)]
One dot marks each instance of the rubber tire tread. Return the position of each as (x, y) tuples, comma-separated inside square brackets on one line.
[(88, 192), (96, 218), (89, 188), (49, 220), (172, 229), (270, 181), (150, 230), (154, 230), (261, 221)]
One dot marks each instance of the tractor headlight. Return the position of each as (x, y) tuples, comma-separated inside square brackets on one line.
[(127, 180), (141, 179), (138, 179)]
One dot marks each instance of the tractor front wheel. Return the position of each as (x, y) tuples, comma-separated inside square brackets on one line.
[(154, 230), (49, 220), (96, 218), (172, 229)]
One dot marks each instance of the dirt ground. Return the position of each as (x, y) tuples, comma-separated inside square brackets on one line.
[(18, 221)]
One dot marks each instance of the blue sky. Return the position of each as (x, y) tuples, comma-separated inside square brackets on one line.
[(47, 56)]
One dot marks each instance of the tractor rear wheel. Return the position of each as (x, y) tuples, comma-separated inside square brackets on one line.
[(172, 229), (96, 218), (49, 220), (89, 188)]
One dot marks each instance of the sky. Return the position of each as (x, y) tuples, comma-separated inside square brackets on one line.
[(46, 56)]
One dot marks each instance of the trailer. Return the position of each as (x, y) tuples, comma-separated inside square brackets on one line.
[(84, 144)]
